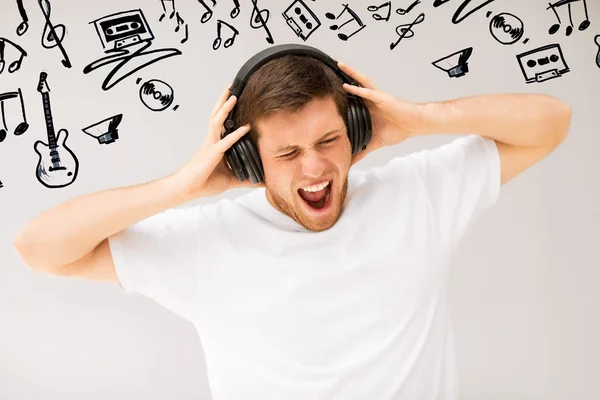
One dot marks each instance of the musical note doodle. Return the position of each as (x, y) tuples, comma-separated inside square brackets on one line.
[(402, 11), (20, 126), (597, 41), (229, 41), (15, 65), (257, 20), (236, 9), (174, 14), (209, 12), (406, 31), (24, 25), (353, 18), (306, 18), (582, 26), (378, 17), (53, 35)]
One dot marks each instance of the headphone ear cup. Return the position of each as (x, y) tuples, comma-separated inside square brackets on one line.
[(249, 152), (257, 161), (368, 129), (360, 124), (235, 163), (248, 161), (354, 125)]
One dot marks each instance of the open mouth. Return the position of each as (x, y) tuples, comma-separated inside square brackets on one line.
[(318, 200)]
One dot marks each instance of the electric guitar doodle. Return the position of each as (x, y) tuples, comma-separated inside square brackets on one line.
[(57, 166)]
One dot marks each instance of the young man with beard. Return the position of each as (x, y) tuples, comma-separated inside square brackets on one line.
[(323, 282)]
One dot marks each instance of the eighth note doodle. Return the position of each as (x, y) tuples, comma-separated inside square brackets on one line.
[(208, 13), (379, 17), (406, 31), (352, 18), (20, 125), (24, 24), (174, 14), (585, 23), (227, 42), (402, 11), (15, 65)]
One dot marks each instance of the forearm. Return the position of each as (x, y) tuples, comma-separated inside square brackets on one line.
[(71, 230), (514, 119)]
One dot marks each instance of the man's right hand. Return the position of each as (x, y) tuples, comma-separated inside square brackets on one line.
[(206, 173)]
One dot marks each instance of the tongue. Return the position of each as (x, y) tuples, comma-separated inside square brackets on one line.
[(313, 196)]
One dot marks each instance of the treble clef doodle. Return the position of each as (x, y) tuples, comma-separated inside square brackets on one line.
[(53, 35), (406, 30), (257, 20)]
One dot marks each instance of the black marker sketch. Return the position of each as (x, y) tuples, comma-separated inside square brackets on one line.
[(257, 20), (24, 25), (456, 64), (236, 9), (597, 41), (307, 18), (543, 63), (21, 125), (174, 14), (378, 17), (125, 36), (402, 11), (582, 26), (105, 131), (506, 28), (1, 185), (53, 36), (229, 41), (458, 16), (156, 95), (353, 18), (209, 12), (15, 65), (57, 166), (406, 31)]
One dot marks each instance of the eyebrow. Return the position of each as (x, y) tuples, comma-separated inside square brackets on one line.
[(294, 147)]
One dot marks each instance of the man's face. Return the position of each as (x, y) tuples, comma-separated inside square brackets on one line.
[(304, 151)]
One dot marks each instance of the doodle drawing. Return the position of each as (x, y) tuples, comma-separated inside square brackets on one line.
[(402, 11), (301, 19), (544, 63), (236, 9), (156, 95), (208, 11), (257, 20), (583, 25), (24, 24), (406, 31), (125, 37), (352, 18), (174, 14), (374, 9), (57, 166), (1, 185), (456, 64), (227, 42), (105, 131), (53, 35), (15, 65), (597, 41), (460, 14), (14, 99), (506, 28)]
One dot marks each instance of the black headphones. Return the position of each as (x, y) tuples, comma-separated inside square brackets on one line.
[(243, 157)]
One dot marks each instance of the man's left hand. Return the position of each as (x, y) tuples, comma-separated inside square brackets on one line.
[(393, 120)]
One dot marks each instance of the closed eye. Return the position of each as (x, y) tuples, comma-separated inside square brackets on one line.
[(293, 153)]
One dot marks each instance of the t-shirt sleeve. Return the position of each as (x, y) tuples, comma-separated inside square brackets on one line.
[(462, 179), (159, 258)]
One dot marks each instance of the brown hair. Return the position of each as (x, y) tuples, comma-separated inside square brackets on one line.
[(287, 84)]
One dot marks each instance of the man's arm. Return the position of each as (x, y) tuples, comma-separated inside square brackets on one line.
[(525, 127), (65, 237)]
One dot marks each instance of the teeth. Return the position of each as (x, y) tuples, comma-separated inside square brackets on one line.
[(316, 188)]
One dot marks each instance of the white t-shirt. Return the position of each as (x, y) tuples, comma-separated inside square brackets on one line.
[(358, 311)]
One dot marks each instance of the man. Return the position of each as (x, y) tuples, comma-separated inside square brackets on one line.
[(323, 283)]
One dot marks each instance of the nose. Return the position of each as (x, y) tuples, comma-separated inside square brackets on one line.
[(312, 164)]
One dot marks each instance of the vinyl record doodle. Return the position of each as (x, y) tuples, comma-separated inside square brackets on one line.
[(156, 95)]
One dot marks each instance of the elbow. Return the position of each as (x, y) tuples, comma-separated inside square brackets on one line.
[(23, 248)]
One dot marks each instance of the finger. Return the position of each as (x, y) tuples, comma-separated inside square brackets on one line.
[(222, 99), (228, 141), (362, 79), (363, 92), (221, 115)]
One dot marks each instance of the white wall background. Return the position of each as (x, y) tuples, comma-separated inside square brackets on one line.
[(525, 292)]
